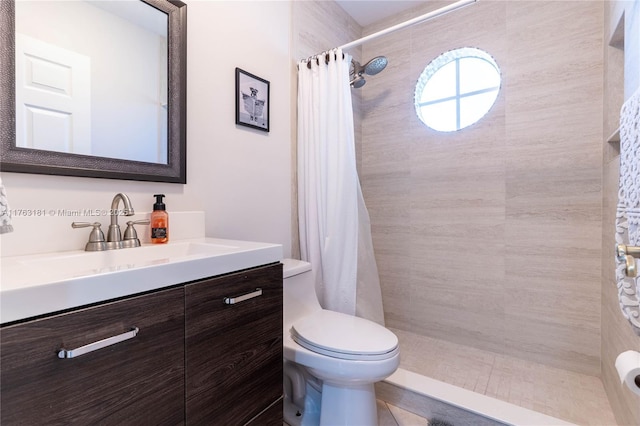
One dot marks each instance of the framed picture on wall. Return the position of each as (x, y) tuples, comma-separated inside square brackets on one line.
[(252, 101)]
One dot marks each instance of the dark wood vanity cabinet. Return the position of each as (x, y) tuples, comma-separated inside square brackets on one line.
[(135, 381), (233, 350), (195, 359)]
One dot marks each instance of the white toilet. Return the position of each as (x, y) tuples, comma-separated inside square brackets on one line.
[(332, 359)]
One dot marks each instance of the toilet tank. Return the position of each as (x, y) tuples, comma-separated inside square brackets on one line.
[(299, 291)]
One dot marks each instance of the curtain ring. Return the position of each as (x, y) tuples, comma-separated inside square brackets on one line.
[(326, 55)]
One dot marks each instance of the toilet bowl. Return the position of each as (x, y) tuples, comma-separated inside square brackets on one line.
[(332, 360)]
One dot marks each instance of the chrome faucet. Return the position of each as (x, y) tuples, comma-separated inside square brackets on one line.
[(628, 255), (114, 236)]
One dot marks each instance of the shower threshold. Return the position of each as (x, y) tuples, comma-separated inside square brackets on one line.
[(433, 399), (465, 385)]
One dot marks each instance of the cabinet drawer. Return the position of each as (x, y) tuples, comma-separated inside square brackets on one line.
[(233, 351), (134, 381)]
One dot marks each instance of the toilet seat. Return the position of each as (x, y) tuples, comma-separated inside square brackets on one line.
[(344, 336)]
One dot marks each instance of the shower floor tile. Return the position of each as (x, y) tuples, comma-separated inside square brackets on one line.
[(574, 397)]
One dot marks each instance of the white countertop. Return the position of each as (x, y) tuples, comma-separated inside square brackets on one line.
[(39, 284)]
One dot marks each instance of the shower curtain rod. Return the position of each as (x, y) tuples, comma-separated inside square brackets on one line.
[(416, 20)]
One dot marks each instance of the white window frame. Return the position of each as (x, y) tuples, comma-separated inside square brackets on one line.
[(444, 59)]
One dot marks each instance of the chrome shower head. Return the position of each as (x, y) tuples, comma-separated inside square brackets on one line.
[(375, 65), (358, 82)]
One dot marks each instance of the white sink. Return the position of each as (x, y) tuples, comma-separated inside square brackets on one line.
[(39, 284), (83, 263)]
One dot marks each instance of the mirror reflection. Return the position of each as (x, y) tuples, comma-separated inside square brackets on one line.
[(91, 78)]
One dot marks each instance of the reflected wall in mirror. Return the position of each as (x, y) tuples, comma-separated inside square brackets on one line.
[(72, 86), (98, 88)]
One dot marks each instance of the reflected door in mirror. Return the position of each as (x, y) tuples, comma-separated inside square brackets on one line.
[(91, 78)]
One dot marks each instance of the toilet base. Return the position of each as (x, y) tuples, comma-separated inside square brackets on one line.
[(302, 396), (348, 405)]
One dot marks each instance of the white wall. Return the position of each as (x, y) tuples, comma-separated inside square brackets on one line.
[(243, 176), (239, 177)]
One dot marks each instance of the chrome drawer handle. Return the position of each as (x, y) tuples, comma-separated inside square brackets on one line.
[(73, 353), (238, 299)]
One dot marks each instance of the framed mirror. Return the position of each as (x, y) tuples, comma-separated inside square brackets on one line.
[(104, 98)]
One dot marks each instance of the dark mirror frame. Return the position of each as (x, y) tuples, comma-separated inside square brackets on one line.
[(25, 160)]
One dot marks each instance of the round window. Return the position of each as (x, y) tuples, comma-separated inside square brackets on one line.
[(457, 89)]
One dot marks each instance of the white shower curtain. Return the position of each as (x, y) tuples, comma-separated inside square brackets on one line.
[(335, 234)]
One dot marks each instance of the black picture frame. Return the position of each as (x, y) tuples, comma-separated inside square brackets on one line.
[(252, 101)]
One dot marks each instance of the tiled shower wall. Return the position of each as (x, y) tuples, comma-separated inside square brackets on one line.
[(619, 79), (491, 236)]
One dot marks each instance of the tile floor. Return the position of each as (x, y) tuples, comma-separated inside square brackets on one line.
[(390, 415), (574, 397)]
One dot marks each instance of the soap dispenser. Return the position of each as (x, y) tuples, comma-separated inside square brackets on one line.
[(159, 221)]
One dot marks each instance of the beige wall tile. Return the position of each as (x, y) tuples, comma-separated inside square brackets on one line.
[(619, 77), (489, 213)]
